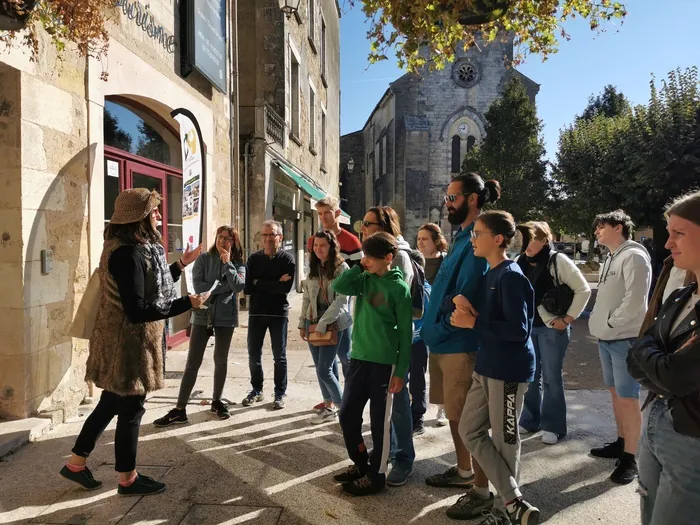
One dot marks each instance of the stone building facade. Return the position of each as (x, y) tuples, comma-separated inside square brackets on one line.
[(70, 141), (421, 129), (290, 116)]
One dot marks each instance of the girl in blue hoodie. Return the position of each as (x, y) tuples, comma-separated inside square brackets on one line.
[(501, 318)]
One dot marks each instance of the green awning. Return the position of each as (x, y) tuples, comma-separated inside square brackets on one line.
[(306, 185)]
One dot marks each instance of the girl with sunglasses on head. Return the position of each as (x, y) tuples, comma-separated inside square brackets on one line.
[(221, 265), (322, 310)]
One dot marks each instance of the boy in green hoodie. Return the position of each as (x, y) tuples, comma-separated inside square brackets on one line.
[(381, 349)]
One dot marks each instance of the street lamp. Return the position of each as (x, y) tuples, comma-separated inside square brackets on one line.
[(351, 165), (289, 7)]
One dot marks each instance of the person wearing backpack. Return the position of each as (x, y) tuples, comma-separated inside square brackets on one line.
[(402, 452), (561, 294)]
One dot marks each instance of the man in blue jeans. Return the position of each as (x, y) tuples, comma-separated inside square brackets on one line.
[(269, 278), (618, 314)]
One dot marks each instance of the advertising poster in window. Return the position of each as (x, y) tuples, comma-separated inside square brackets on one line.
[(193, 170)]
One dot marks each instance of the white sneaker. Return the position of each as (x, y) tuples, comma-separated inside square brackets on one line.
[(524, 430), (325, 416), (550, 438), (441, 417)]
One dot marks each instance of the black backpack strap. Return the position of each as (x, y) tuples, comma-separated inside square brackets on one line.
[(553, 262)]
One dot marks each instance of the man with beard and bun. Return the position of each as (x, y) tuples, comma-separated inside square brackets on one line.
[(452, 349)]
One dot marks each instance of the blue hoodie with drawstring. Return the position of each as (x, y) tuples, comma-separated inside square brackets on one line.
[(461, 273)]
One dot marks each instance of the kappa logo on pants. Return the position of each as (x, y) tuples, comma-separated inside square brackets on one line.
[(510, 431)]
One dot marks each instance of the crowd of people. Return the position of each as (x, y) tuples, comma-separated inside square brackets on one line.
[(487, 327)]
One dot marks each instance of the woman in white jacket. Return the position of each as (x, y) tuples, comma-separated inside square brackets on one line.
[(322, 307), (545, 404)]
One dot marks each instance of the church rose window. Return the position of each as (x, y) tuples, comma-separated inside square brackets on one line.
[(466, 73)]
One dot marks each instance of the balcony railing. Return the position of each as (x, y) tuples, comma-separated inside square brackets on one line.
[(274, 125)]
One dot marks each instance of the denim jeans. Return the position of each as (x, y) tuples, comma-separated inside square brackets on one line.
[(344, 347), (545, 404), (669, 473), (327, 368), (258, 325), (402, 453), (416, 381)]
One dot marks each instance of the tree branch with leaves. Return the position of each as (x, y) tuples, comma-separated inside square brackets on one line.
[(436, 26)]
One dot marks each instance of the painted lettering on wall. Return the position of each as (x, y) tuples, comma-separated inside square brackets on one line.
[(139, 14)]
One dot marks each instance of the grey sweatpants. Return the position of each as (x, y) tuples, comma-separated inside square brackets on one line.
[(198, 343), (496, 405)]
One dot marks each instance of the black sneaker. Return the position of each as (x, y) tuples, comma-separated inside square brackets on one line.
[(625, 470), (365, 486), (83, 478), (279, 403), (351, 474), (523, 513), (610, 450), (253, 397), (451, 479), (470, 506), (220, 409), (418, 429), (143, 486), (177, 416)]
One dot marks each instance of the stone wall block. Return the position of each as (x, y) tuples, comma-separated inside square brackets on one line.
[(46, 105), (11, 324)]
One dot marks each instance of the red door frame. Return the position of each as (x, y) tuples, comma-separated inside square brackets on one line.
[(128, 164)]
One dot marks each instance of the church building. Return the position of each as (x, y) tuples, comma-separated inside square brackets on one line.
[(416, 137)]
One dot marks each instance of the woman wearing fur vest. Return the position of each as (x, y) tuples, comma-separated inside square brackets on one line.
[(126, 348)]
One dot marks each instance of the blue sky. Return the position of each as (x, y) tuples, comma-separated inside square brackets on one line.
[(655, 38)]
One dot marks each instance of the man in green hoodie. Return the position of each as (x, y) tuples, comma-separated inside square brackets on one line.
[(381, 350)]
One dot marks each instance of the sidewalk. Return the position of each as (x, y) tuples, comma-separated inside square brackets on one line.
[(264, 468)]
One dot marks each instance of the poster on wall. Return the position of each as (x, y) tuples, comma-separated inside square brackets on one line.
[(193, 170), (206, 40)]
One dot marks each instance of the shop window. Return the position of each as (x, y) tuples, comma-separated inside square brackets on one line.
[(136, 132)]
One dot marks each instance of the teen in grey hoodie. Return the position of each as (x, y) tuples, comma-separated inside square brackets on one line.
[(618, 314)]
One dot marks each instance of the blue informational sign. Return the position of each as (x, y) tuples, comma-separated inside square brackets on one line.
[(208, 40)]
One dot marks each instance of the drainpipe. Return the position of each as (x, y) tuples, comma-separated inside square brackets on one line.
[(234, 123), (246, 211)]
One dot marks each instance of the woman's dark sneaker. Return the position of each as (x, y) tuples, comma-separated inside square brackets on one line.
[(83, 478), (220, 409), (177, 416), (253, 397), (143, 486), (365, 486), (418, 428), (610, 450), (279, 403), (351, 474)]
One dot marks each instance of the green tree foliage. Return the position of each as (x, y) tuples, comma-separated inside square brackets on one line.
[(406, 26), (513, 153), (637, 159)]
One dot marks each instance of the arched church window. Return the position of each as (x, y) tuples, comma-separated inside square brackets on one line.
[(471, 141), (456, 154)]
